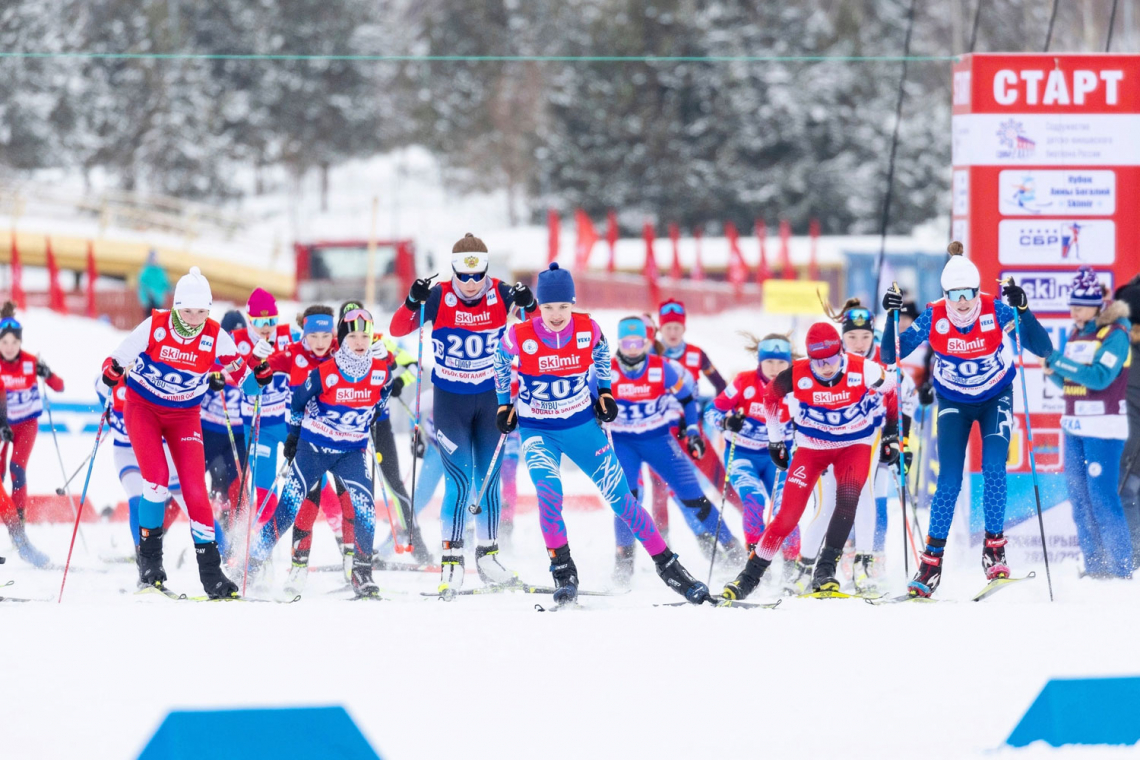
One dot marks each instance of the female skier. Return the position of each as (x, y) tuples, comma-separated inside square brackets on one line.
[(166, 360), (558, 415), (221, 415), (1091, 370), (972, 372)]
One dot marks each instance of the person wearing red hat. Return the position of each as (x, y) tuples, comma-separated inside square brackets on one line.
[(834, 400)]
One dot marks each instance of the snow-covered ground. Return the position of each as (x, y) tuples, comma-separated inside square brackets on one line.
[(93, 677)]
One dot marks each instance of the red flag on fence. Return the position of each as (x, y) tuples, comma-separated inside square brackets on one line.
[(787, 271), (19, 297), (737, 269), (553, 227), (813, 263), (698, 273), (675, 237), (587, 236), (762, 270), (92, 276), (650, 270), (611, 237), (56, 301)]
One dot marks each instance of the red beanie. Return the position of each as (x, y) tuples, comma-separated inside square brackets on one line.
[(671, 311), (823, 340), (261, 304)]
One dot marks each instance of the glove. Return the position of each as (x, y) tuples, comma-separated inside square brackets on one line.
[(523, 297), (112, 372), (379, 350), (734, 422), (694, 442), (605, 408), (926, 394), (397, 387), (262, 348), (779, 454), (291, 445), (892, 300), (6, 434), (419, 446), (1015, 296), (506, 420), (42, 369), (217, 381), (908, 458), (419, 292), (889, 450), (263, 374)]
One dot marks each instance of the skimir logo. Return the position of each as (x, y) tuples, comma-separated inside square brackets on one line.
[(471, 319), (172, 354), (633, 391), (830, 397), (554, 363), (353, 394), (957, 344)]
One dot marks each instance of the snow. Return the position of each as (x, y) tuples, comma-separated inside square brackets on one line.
[(95, 676)]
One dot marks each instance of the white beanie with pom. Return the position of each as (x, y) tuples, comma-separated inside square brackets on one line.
[(193, 291), (959, 271)]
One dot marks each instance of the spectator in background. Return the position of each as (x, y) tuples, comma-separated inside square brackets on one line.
[(154, 287), (1130, 464)]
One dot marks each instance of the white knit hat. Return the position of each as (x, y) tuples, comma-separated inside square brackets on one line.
[(960, 272), (468, 262), (193, 291)]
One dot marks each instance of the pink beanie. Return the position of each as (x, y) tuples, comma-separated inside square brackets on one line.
[(261, 304)]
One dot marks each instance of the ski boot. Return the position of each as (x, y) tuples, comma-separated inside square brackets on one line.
[(348, 557), (929, 573), (748, 579), (676, 577), (150, 558), (993, 556), (27, 551), (734, 552), (298, 574), (863, 573), (565, 574), (823, 577), (214, 581), (491, 571), (623, 566), (797, 575), (362, 583), (706, 543), (451, 569)]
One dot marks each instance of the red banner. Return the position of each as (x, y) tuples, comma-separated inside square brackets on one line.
[(553, 227), (92, 276), (587, 236), (18, 296), (698, 273), (675, 237), (762, 270), (650, 270), (786, 270), (611, 238), (56, 301), (737, 269)]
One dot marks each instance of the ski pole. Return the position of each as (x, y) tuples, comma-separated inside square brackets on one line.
[(723, 499), (59, 491), (230, 430), (83, 496), (1029, 435), (898, 413), (251, 462), (419, 384), (918, 476), (272, 488), (400, 548), (476, 507), (4, 465), (59, 456)]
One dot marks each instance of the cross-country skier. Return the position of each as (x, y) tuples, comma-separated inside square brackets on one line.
[(166, 360), (739, 411), (328, 432), (221, 403), (468, 314), (646, 387), (973, 374), (557, 415), (1092, 370), (20, 373), (833, 401)]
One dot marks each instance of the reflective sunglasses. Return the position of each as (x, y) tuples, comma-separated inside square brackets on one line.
[(263, 321), (831, 361), (958, 293), (672, 308), (470, 276)]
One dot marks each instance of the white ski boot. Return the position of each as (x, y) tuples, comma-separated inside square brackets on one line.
[(295, 580), (452, 569), (491, 571)]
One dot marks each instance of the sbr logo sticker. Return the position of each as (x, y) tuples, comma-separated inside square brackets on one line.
[(450, 299), (160, 333), (749, 392), (530, 346), (331, 380), (804, 383), (942, 327)]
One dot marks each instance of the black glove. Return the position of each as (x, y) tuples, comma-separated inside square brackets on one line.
[(908, 458), (889, 450), (263, 374), (112, 373), (217, 381), (1015, 296), (419, 292), (734, 422), (605, 408), (42, 369), (6, 434), (695, 444), (397, 387), (506, 419), (419, 446), (523, 297), (892, 300), (291, 445), (779, 454), (926, 393)]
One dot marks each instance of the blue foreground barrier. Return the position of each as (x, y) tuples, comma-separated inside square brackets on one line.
[(1082, 711), (324, 732)]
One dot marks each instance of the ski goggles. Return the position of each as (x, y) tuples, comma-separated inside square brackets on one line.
[(858, 319), (9, 323), (318, 323), (672, 308), (261, 322), (959, 293), (469, 276), (632, 343), (819, 365), (358, 320), (775, 348)]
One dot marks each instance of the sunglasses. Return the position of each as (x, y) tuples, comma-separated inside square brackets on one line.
[(263, 321), (831, 361), (672, 308), (470, 276), (958, 293)]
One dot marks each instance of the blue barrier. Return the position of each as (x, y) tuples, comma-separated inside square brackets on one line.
[(324, 732), (1082, 711)]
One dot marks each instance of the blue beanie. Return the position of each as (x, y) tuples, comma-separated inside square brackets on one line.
[(232, 320), (632, 326), (555, 285), (1086, 289)]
